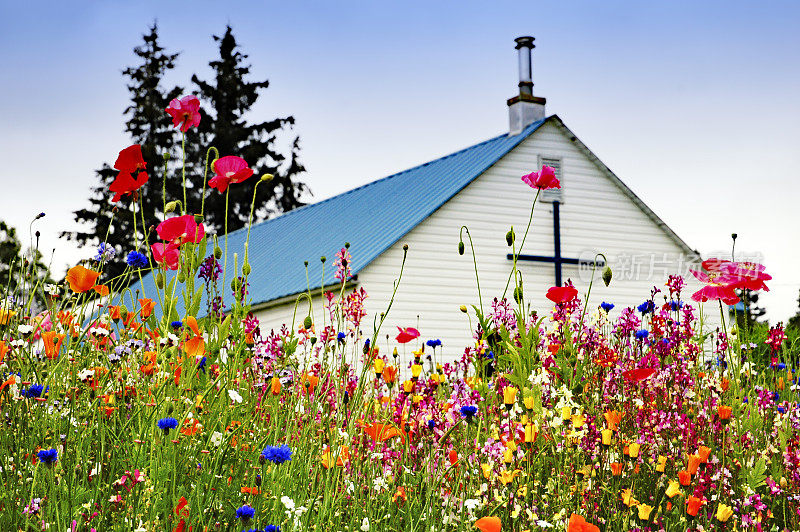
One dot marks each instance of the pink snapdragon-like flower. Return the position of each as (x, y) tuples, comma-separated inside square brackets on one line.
[(181, 229), (542, 180), (185, 112), (229, 169)]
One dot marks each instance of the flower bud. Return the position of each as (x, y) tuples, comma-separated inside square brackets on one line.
[(518, 294), (217, 252), (160, 280), (510, 237), (308, 322), (170, 207), (181, 277), (607, 275), (198, 218), (246, 269), (266, 178), (461, 247), (463, 308)]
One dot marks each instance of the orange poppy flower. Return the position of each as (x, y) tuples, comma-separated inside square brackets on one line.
[(400, 494), (191, 322), (613, 418), (195, 347), (308, 382), (390, 374), (344, 456), (248, 490), (724, 412), (3, 350), (578, 524), (275, 386), (616, 468), (703, 452), (488, 524), (114, 312), (381, 432), (694, 463), (52, 344), (81, 279), (693, 505), (685, 477), (147, 305)]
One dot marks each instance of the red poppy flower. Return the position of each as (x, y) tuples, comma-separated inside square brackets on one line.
[(230, 169), (185, 112), (166, 255), (562, 294), (181, 229), (130, 159), (406, 335), (638, 374), (542, 180), (126, 184)]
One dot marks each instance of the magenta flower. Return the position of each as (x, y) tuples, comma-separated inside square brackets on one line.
[(542, 180), (229, 169), (185, 112)]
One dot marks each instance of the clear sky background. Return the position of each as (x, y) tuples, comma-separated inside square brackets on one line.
[(695, 105)]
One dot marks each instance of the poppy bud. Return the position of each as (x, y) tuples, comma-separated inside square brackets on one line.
[(463, 308), (518, 294), (246, 269), (258, 480), (313, 340), (166, 155), (170, 207), (181, 277), (607, 275), (170, 408), (234, 284), (510, 237), (322, 259), (266, 178), (217, 252), (198, 218), (160, 280), (405, 247), (461, 247), (123, 313)]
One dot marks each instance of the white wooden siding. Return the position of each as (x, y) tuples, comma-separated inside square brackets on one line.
[(595, 217)]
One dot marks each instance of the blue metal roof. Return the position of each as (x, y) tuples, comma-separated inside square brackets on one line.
[(371, 218)]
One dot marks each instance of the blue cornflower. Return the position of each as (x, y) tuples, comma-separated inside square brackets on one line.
[(104, 252), (202, 365), (431, 424), (781, 409), (781, 366), (277, 454), (177, 324), (468, 412), (744, 400), (606, 306), (776, 397), (136, 260), (272, 528), (434, 343), (167, 423), (48, 457), (245, 513), (647, 307), (341, 336), (35, 390), (489, 355), (675, 305), (642, 334)]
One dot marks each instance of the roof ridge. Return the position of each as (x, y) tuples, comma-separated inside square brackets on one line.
[(386, 178)]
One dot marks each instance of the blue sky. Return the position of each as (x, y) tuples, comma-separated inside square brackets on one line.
[(694, 106)]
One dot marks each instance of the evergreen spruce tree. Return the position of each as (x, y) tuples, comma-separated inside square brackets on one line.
[(225, 102), (148, 125)]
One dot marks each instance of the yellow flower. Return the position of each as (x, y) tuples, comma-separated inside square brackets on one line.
[(724, 512), (633, 450), (529, 402), (578, 421), (6, 315), (673, 489), (510, 394), (416, 399), (607, 433), (508, 455), (644, 511), (506, 476), (662, 464), (487, 470), (416, 369), (566, 413), (378, 366), (530, 432), (627, 498), (408, 386)]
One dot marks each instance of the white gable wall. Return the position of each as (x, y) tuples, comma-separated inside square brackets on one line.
[(595, 217)]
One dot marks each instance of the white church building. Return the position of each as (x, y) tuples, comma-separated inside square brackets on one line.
[(479, 187)]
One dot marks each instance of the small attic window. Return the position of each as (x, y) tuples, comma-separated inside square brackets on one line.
[(553, 194)]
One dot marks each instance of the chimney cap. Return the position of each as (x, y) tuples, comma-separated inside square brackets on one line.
[(524, 42)]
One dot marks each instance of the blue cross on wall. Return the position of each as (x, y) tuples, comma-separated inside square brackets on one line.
[(556, 259)]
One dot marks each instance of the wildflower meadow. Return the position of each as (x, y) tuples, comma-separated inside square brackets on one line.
[(165, 409)]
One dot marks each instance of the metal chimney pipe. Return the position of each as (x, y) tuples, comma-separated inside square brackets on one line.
[(524, 47)]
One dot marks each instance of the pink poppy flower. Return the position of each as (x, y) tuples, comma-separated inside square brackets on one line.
[(185, 112), (166, 255), (747, 275), (542, 180), (714, 264), (229, 169), (406, 335), (181, 229), (718, 286), (562, 294)]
